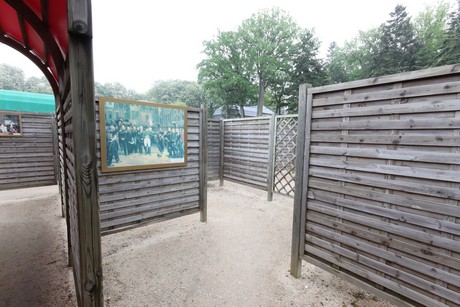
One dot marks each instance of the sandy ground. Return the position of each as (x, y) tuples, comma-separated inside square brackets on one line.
[(33, 249), (240, 257)]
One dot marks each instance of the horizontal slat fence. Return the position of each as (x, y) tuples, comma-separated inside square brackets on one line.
[(383, 184), (28, 160), (131, 198), (246, 151), (214, 128)]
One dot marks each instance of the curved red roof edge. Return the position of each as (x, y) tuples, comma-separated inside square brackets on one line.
[(38, 30)]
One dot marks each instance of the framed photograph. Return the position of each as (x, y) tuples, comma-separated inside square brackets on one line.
[(10, 124), (138, 135)]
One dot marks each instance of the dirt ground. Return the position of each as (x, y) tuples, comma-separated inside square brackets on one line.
[(33, 249), (240, 257)]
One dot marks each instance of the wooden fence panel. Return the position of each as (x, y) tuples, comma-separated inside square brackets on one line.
[(132, 198), (213, 148), (246, 151), (383, 184), (28, 160), (68, 174)]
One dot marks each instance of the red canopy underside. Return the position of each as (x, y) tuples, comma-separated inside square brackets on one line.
[(37, 29)]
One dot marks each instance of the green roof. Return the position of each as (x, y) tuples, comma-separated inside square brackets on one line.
[(26, 102)]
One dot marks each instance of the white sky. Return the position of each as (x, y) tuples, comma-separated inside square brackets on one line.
[(162, 40)]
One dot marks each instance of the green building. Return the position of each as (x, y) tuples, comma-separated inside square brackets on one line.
[(26, 102)]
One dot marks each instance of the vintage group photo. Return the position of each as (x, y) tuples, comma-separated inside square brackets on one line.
[(141, 135), (10, 124)]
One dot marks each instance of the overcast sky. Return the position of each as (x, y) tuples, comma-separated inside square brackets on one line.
[(162, 40)]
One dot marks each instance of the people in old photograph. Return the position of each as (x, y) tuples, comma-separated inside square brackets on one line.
[(143, 135), (9, 125)]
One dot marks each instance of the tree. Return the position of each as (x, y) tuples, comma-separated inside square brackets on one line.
[(117, 90), (226, 74), (37, 85), (11, 78), (177, 91), (269, 38), (266, 58), (306, 68), (429, 27), (450, 52), (398, 45), (335, 64)]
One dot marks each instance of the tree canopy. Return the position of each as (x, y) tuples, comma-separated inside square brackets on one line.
[(265, 59), (258, 61), (13, 78), (176, 92)]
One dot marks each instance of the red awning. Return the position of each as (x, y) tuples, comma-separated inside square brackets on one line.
[(37, 29)]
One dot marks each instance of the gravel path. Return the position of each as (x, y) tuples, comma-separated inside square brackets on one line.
[(240, 257)]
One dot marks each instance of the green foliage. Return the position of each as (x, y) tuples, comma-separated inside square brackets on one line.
[(335, 64), (397, 47), (269, 39), (225, 74), (429, 27), (259, 61), (189, 93), (116, 90), (13, 79), (450, 51), (37, 85), (306, 68)]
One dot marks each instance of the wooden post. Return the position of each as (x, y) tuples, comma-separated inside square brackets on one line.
[(84, 144), (271, 157), (301, 179), (221, 164), (203, 163)]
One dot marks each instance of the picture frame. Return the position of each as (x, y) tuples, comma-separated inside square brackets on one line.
[(10, 124), (138, 135)]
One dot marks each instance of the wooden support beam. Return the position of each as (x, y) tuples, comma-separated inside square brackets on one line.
[(301, 179), (89, 275), (203, 164), (221, 164), (271, 158)]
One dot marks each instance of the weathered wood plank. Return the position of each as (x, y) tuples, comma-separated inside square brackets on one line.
[(149, 215), (416, 172), (415, 248), (396, 215), (409, 108), (358, 258), (384, 154), (403, 231), (421, 140), (404, 201), (149, 199), (406, 76), (406, 92), (415, 188), (391, 256), (84, 145), (165, 203), (409, 124)]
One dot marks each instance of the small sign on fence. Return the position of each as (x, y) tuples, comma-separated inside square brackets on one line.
[(10, 124)]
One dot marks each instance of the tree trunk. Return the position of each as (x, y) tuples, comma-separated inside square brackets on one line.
[(242, 111), (260, 105)]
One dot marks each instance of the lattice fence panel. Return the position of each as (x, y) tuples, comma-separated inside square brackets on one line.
[(285, 154)]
